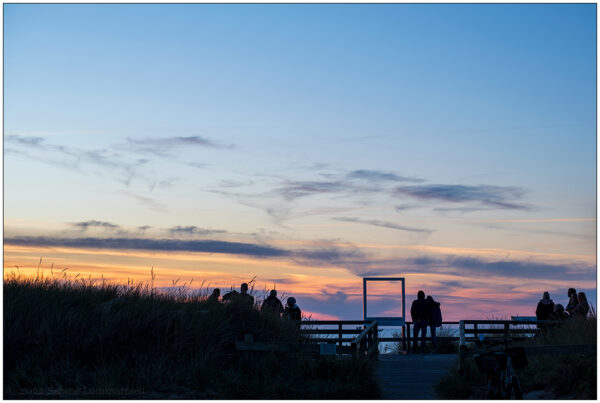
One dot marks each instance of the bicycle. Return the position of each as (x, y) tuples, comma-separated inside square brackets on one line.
[(499, 367)]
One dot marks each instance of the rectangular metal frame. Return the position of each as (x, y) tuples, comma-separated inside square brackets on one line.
[(384, 320)]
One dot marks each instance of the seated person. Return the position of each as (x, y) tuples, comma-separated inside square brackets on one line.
[(292, 311)]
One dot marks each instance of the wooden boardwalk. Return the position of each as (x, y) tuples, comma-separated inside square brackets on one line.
[(412, 376)]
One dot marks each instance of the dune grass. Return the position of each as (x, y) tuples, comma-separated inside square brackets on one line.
[(76, 339), (554, 376)]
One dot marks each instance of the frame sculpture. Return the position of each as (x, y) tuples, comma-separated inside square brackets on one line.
[(384, 320)]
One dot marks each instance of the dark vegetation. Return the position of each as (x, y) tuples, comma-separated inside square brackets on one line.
[(74, 339), (571, 376), (445, 345)]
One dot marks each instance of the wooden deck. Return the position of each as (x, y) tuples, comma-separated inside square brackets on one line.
[(412, 376)]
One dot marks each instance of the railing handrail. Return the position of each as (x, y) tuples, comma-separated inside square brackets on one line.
[(466, 321), (503, 322), (362, 335), (335, 322)]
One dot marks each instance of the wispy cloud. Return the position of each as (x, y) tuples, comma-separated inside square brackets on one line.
[(538, 220), (322, 253), (208, 246), (500, 197), (193, 230), (162, 146), (76, 159), (123, 161), (383, 224), (334, 255), (84, 225), (460, 210), (30, 141), (510, 227), (143, 228), (295, 189), (404, 207), (475, 267), (377, 176), (147, 201)]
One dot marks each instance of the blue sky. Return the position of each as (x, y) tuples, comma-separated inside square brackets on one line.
[(389, 132)]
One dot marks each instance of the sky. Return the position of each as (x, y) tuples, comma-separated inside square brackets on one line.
[(305, 147)]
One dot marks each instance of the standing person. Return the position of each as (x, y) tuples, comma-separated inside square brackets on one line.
[(582, 307), (272, 303), (545, 307), (435, 319), (244, 296), (214, 297), (420, 313), (572, 294)]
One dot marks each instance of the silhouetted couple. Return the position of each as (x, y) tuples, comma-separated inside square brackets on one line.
[(273, 304), (243, 297), (425, 312), (578, 303)]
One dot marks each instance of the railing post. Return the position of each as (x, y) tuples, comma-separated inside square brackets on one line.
[(340, 334), (376, 341), (506, 331), (475, 332), (408, 336), (461, 345), (403, 331)]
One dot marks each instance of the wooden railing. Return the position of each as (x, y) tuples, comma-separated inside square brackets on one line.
[(365, 338), (408, 340), (366, 343), (506, 330)]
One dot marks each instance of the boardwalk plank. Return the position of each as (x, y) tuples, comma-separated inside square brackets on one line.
[(412, 376)]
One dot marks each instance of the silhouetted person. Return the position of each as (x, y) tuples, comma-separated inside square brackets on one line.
[(582, 308), (244, 296), (230, 296), (272, 303), (435, 318), (559, 313), (545, 307), (420, 313), (292, 311), (214, 297), (572, 294)]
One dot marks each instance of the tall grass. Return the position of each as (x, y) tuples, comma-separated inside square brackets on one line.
[(564, 376), (571, 376), (83, 339)]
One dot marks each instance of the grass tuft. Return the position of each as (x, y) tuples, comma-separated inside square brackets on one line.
[(78, 339)]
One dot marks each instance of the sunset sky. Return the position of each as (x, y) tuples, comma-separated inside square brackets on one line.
[(307, 145)]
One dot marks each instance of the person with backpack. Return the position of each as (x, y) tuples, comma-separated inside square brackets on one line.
[(272, 303), (435, 319), (241, 297)]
